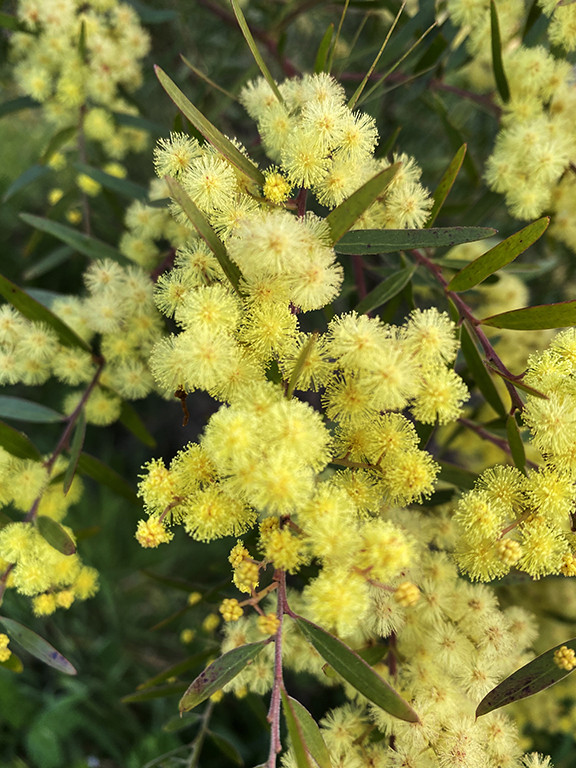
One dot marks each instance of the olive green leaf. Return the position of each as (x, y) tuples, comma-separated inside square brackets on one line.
[(55, 535), (305, 734), (386, 290), (17, 443), (37, 646), (497, 64), (541, 316), (445, 185), (19, 409), (367, 241)]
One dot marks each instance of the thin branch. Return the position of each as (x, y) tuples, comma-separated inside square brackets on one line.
[(278, 687)]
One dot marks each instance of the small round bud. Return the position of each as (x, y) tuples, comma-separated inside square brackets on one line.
[(568, 567), (211, 622), (151, 533), (187, 636), (407, 594), (194, 598), (509, 551), (231, 609), (268, 624), (565, 658)]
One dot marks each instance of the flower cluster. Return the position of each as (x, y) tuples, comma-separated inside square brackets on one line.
[(80, 55)]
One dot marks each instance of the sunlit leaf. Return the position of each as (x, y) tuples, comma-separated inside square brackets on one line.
[(92, 467), (85, 244), (220, 672), (496, 258), (13, 663), (348, 212), (297, 739), (536, 676), (37, 646), (559, 315), (446, 183), (205, 231), (55, 535), (386, 290), (18, 409), (374, 241), (308, 730), (497, 64), (356, 671), (254, 49), (209, 131), (17, 443), (481, 377)]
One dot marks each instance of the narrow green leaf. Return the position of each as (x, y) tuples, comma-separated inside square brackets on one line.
[(36, 311), (47, 263), (57, 142), (518, 383), (89, 246), (13, 663), (37, 646), (496, 258), (155, 693), (386, 290), (300, 362), (82, 48), (497, 64), (446, 183), (220, 672), (205, 231), (123, 187), (203, 76), (180, 722), (536, 676), (323, 50), (55, 535), (132, 421), (17, 443), (559, 315), (92, 467), (356, 672), (515, 443), (209, 131), (17, 105), (226, 747), (481, 377), (461, 478), (18, 409), (295, 730), (177, 669), (366, 241), (75, 449), (347, 213), (254, 49), (309, 730), (29, 176)]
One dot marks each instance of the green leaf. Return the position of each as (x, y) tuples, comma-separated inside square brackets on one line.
[(348, 212), (254, 49), (75, 449), (13, 663), (205, 231), (300, 721), (461, 478), (209, 131), (497, 64), (123, 187), (226, 747), (57, 141), (356, 672), (132, 421), (55, 535), (323, 50), (515, 443), (367, 241), (386, 290), (50, 261), (17, 443), (295, 730), (29, 176), (37, 312), (155, 693), (536, 676), (17, 105), (89, 246), (517, 382), (18, 409), (177, 669), (446, 183), (481, 377), (559, 315), (179, 722), (92, 467), (220, 672), (7, 21), (37, 646), (203, 76), (497, 257)]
